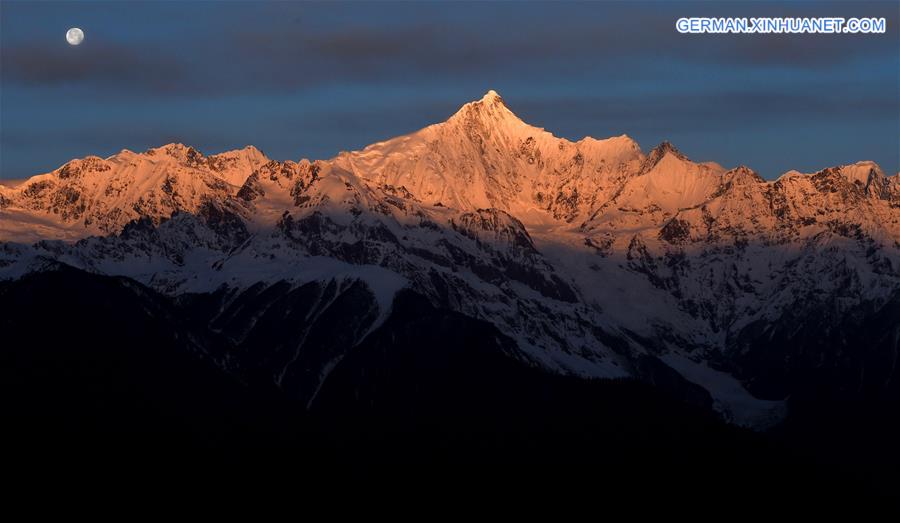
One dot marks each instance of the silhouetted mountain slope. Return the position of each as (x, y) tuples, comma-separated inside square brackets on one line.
[(100, 363), (105, 372)]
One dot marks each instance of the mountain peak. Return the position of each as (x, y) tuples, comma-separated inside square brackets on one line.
[(743, 175), (868, 176), (491, 96), (658, 153), (176, 150), (666, 147), (488, 112), (173, 146)]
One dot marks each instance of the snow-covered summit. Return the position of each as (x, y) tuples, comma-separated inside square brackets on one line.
[(490, 110), (486, 156)]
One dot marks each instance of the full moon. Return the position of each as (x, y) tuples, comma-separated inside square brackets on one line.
[(74, 36)]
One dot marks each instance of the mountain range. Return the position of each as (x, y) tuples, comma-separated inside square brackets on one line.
[(591, 259)]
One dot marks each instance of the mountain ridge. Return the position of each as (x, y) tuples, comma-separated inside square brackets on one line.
[(489, 114), (598, 260)]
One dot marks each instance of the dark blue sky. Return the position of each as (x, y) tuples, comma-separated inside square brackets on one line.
[(303, 79)]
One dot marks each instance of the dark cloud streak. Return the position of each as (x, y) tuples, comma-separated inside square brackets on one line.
[(52, 65)]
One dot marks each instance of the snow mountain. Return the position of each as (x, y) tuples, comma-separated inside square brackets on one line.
[(92, 195), (590, 258)]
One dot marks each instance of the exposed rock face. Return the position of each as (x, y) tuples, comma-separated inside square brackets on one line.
[(595, 259)]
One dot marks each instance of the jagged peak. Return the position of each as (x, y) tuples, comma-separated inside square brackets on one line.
[(491, 97), (231, 166), (176, 150), (742, 173), (247, 149), (123, 152), (192, 157), (78, 166), (666, 147), (489, 110), (864, 165), (741, 169), (867, 175), (658, 153), (621, 139), (248, 153), (793, 173), (867, 165), (173, 146)]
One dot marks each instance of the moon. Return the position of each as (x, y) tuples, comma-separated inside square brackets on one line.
[(74, 36)]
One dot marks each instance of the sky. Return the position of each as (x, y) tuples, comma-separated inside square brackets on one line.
[(308, 80)]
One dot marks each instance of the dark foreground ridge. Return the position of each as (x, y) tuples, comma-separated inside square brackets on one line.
[(101, 372)]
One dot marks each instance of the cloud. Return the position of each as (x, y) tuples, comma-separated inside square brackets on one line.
[(53, 65), (812, 52)]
